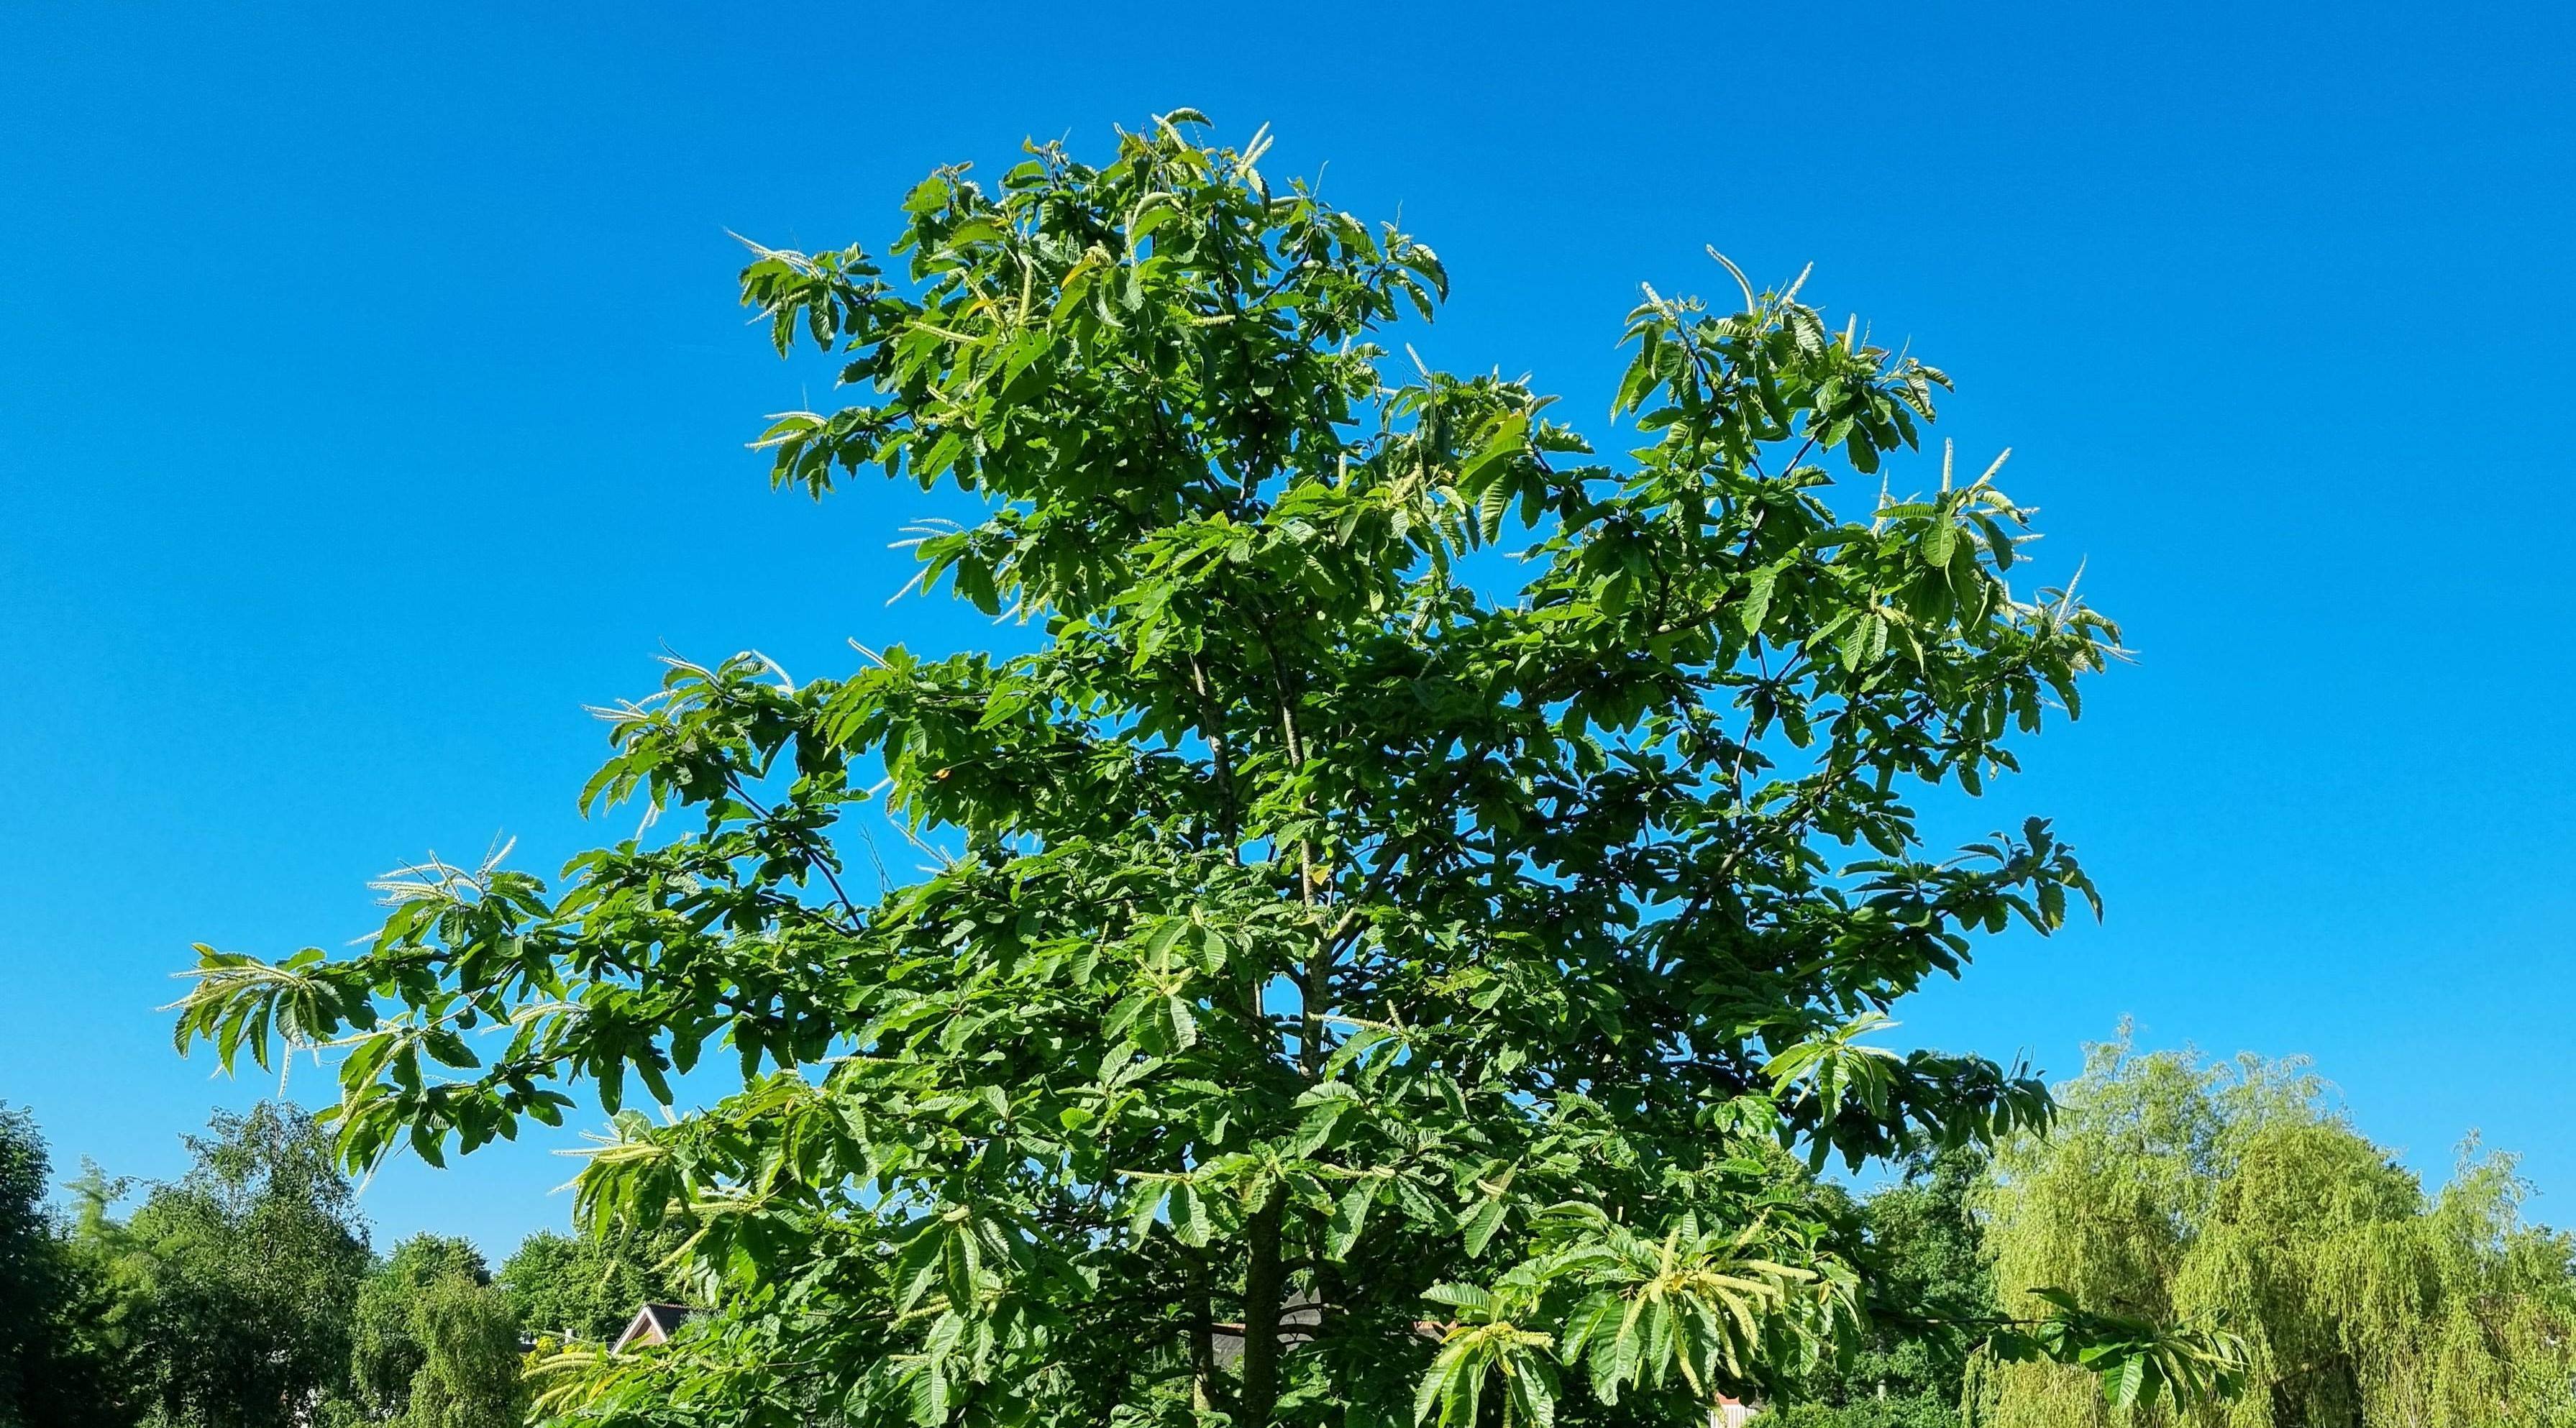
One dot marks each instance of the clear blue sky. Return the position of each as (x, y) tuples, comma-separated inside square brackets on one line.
[(372, 396)]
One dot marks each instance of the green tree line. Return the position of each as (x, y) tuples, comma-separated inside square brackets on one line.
[(2170, 1189), (245, 1294)]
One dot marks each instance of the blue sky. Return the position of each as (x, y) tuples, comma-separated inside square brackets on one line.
[(372, 397)]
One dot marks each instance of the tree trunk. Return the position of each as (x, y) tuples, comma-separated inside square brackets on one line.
[(1206, 1392), (1264, 1287)]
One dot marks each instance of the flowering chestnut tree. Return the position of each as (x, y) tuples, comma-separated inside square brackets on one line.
[(1364, 981)]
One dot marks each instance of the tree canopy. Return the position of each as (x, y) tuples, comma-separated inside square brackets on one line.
[(2238, 1193), (435, 1343), (233, 1286), (1362, 980), (242, 1295)]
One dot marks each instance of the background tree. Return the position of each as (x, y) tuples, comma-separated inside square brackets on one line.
[(471, 1373), (1926, 1266), (58, 1366), (435, 1344), (386, 1348), (235, 1284), (589, 1285), (2236, 1192), (1350, 991)]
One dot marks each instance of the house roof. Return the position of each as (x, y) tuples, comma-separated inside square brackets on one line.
[(652, 1324), (1299, 1318)]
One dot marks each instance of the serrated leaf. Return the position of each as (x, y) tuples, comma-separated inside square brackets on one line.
[(1479, 1223), (1189, 1213), (1350, 1217)]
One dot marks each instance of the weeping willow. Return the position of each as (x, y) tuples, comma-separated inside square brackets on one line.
[(2236, 1194)]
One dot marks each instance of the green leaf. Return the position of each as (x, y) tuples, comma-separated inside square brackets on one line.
[(1190, 1222), (930, 194), (1757, 599), (1479, 1223), (2123, 1384), (1146, 1206), (1463, 1296), (1349, 1218)]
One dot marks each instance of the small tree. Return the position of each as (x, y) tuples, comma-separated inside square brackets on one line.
[(436, 1345), (471, 1373), (1356, 967)]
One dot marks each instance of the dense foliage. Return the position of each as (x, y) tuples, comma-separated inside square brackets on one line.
[(2170, 1187), (1923, 1251), (1349, 991), (2236, 1193), (436, 1344), (59, 1367), (234, 1285), (588, 1286), (243, 1296)]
